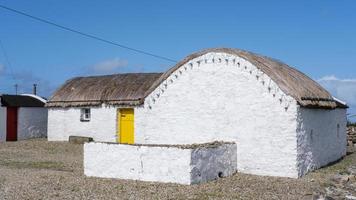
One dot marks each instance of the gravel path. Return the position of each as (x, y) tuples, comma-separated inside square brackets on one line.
[(37, 169)]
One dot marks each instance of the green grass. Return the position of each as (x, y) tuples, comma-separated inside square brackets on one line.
[(58, 166), (339, 167)]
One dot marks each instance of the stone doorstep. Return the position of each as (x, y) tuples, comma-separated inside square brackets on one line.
[(79, 139)]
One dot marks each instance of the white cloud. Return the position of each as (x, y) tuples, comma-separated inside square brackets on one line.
[(328, 78), (108, 66), (334, 78), (343, 89)]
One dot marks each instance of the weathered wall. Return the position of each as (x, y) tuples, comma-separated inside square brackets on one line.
[(32, 123), (145, 163), (212, 163), (2, 124), (223, 97), (64, 122), (166, 164), (321, 136)]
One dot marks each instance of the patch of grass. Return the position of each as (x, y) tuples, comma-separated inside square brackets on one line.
[(119, 187), (340, 166), (58, 166)]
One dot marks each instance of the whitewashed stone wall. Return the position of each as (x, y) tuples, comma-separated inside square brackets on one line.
[(159, 163), (2, 124), (64, 122), (321, 136), (32, 123), (223, 97)]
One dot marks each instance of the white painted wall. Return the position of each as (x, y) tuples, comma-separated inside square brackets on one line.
[(32, 122), (157, 163), (320, 141), (64, 122), (223, 101), (145, 163), (2, 124)]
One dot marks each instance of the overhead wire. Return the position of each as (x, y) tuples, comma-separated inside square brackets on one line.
[(87, 34)]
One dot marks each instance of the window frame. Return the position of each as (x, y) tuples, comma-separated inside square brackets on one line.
[(85, 114)]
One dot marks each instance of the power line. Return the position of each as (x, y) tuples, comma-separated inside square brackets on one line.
[(86, 34)]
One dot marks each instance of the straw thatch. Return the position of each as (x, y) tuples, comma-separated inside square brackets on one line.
[(118, 89), (303, 89), (131, 89)]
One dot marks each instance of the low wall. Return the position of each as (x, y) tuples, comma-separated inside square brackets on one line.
[(183, 164)]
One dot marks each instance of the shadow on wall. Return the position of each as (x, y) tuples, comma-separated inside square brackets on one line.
[(321, 138)]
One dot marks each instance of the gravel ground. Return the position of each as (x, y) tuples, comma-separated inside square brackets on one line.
[(37, 169)]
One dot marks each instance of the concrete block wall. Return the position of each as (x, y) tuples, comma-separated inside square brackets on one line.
[(160, 163)]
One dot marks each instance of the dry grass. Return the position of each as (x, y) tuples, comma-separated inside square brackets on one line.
[(117, 89), (37, 169)]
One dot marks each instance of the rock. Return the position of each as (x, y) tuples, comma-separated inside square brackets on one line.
[(318, 197), (340, 179), (350, 197), (322, 197), (350, 149), (79, 139), (352, 170)]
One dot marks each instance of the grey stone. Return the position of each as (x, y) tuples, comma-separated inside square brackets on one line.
[(350, 197), (340, 179), (79, 139), (352, 170)]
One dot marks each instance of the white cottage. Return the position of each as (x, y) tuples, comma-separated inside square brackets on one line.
[(283, 122), (22, 117)]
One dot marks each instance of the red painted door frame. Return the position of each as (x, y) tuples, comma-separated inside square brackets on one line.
[(11, 124)]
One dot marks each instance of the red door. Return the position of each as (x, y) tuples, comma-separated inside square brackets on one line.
[(11, 124)]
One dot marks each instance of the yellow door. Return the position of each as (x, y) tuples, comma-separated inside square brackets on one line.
[(126, 125)]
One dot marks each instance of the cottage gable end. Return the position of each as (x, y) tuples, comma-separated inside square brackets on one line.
[(233, 64)]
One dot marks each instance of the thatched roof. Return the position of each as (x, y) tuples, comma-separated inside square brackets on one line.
[(117, 89), (131, 89)]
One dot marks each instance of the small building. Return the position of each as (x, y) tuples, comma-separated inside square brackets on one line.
[(22, 117), (283, 122)]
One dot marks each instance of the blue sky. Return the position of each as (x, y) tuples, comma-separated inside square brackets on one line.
[(317, 37)]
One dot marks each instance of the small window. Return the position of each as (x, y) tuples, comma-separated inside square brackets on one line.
[(85, 114), (338, 130)]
